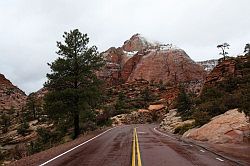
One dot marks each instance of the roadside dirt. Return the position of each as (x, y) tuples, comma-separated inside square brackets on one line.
[(52, 152)]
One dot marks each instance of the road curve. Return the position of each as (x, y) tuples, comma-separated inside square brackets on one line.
[(114, 148)]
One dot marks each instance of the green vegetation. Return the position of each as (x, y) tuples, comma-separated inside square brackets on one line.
[(223, 47), (23, 128), (46, 139), (5, 122), (232, 92), (247, 49), (184, 104), (73, 85), (33, 107), (182, 129)]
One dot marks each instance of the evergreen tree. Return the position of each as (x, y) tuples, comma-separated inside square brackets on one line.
[(247, 49), (32, 105), (223, 47), (73, 85), (183, 103), (5, 122)]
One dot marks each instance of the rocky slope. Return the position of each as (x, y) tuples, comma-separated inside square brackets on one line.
[(172, 121), (225, 88), (11, 97), (140, 59)]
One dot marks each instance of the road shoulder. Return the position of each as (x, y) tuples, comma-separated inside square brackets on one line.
[(55, 151)]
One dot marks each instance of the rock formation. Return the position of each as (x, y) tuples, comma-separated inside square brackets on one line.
[(171, 121), (221, 72), (140, 59), (11, 97), (230, 127)]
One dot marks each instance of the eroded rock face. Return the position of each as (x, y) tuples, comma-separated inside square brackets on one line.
[(230, 127), (169, 65), (171, 121), (141, 59), (222, 71), (11, 97)]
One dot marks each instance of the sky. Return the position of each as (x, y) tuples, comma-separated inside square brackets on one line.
[(29, 29)]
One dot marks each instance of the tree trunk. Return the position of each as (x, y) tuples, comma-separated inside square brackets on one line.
[(76, 124)]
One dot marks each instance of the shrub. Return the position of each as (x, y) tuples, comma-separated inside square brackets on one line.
[(182, 129), (201, 118), (209, 94), (23, 128), (19, 151), (46, 139), (88, 126)]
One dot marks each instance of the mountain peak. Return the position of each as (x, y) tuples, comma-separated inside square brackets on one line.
[(137, 43), (4, 80)]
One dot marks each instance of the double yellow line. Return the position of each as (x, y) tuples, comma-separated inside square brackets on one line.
[(136, 150)]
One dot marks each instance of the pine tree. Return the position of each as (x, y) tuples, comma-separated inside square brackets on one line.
[(247, 49), (223, 47), (183, 103), (73, 85), (32, 105)]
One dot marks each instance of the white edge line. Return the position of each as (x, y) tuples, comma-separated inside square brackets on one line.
[(75, 147), (202, 151), (219, 159), (163, 133)]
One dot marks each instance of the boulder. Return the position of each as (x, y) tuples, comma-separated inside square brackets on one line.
[(230, 127), (156, 107)]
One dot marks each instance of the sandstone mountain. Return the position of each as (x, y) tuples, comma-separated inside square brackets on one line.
[(140, 59), (11, 97)]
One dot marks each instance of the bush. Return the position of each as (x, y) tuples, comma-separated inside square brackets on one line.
[(46, 139), (88, 126), (209, 94), (182, 129), (201, 118), (19, 151), (23, 128)]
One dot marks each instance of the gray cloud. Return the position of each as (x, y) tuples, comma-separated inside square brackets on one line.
[(29, 29)]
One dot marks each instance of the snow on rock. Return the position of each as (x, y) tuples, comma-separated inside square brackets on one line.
[(139, 58), (209, 64)]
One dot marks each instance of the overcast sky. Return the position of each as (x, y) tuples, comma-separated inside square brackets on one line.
[(29, 29)]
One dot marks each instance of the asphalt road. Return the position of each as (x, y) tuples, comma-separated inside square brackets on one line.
[(126, 146)]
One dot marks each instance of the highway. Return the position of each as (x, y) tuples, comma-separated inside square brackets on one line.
[(136, 145)]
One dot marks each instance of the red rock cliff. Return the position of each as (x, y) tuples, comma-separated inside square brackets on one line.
[(141, 59), (10, 95)]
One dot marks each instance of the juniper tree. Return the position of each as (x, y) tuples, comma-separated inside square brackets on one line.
[(73, 85)]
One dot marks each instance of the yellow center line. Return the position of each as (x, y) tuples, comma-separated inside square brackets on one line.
[(133, 150), (136, 149)]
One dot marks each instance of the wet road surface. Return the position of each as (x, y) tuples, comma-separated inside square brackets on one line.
[(126, 146)]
